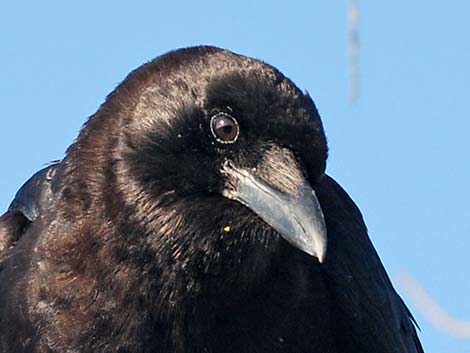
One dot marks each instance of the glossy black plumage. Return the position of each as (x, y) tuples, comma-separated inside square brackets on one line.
[(138, 240)]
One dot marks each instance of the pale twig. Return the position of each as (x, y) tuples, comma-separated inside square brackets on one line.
[(431, 310), (354, 16)]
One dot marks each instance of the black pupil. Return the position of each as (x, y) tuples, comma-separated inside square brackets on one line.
[(227, 129)]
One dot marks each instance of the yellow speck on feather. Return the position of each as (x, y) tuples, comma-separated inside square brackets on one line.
[(227, 229)]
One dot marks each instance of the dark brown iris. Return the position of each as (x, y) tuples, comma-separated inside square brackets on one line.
[(224, 127)]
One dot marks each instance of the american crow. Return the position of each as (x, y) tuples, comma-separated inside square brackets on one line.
[(192, 214)]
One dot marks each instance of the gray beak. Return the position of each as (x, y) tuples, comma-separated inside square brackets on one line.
[(296, 215)]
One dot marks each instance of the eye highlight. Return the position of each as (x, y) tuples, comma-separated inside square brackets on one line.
[(224, 127)]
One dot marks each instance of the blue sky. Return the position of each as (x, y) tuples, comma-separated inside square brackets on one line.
[(402, 151)]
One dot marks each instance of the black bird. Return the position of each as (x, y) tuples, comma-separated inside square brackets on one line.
[(192, 214)]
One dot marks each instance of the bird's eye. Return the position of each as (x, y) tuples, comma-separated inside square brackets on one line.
[(224, 127)]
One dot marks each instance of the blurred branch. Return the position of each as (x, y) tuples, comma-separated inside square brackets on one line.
[(354, 16), (431, 310)]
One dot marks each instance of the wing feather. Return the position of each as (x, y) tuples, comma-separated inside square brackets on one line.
[(30, 201), (374, 317)]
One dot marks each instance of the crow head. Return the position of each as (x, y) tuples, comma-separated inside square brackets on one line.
[(212, 158), (184, 218)]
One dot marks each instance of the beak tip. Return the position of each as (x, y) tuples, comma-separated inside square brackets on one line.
[(319, 254), (317, 249), (322, 253)]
